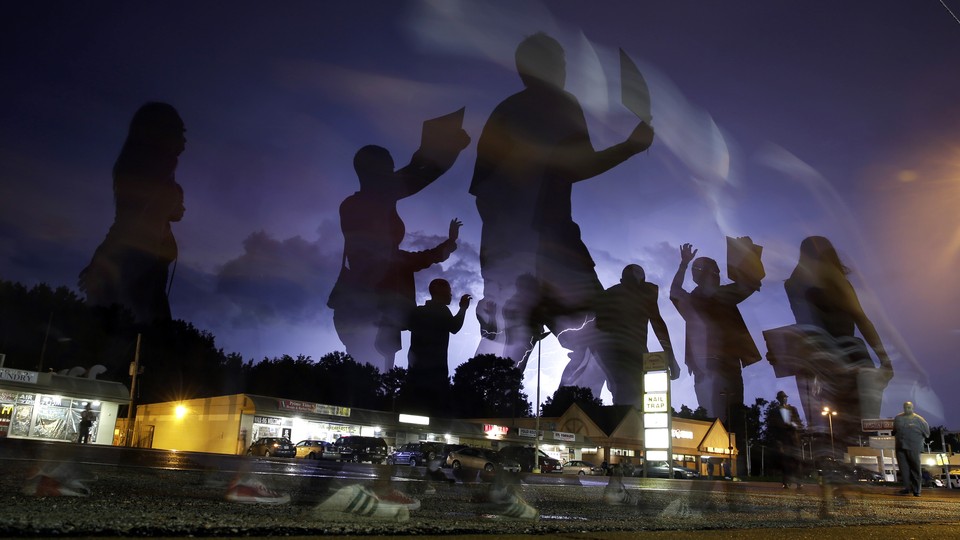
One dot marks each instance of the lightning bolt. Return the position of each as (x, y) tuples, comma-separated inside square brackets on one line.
[(533, 339)]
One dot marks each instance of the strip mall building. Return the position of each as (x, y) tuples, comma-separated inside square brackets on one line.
[(229, 424), (47, 406)]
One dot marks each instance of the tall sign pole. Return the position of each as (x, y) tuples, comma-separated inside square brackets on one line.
[(134, 371), (536, 443), (657, 420)]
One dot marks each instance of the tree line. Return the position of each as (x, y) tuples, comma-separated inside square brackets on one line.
[(53, 329)]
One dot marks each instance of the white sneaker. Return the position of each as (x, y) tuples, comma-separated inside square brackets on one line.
[(42, 485), (253, 491), (619, 497), (360, 501)]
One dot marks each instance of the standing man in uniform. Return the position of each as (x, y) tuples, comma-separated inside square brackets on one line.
[(910, 431)]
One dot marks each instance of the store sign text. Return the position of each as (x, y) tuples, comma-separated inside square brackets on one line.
[(16, 375)]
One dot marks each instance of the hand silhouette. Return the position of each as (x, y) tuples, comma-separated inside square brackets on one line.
[(465, 301), (455, 225), (687, 253), (641, 138), (461, 140)]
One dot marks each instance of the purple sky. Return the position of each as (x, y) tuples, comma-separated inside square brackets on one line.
[(774, 120)]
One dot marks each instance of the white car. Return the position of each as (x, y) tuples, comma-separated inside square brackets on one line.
[(581, 468), (954, 479)]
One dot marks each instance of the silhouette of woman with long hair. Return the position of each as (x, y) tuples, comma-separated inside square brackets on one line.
[(131, 265), (841, 373)]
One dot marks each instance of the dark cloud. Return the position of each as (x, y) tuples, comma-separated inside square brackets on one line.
[(37, 258), (280, 280)]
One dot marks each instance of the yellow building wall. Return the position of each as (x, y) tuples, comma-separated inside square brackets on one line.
[(202, 425)]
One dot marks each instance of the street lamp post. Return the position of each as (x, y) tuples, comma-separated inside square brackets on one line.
[(729, 427), (830, 414), (536, 441)]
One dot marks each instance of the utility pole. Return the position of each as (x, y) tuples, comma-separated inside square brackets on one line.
[(134, 371), (43, 349), (536, 443)]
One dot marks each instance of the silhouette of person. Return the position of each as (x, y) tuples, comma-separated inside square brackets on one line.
[(718, 343), (375, 290), (841, 374), (131, 266), (910, 430), (87, 418), (623, 313), (533, 148), (785, 426), (428, 375)]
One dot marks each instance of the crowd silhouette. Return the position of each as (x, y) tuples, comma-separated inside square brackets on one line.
[(538, 275)]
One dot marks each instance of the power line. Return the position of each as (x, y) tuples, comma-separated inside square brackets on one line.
[(950, 11)]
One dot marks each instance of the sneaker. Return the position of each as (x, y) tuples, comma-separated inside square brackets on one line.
[(42, 485), (681, 509), (619, 497), (255, 492), (518, 509), (398, 497), (360, 501)]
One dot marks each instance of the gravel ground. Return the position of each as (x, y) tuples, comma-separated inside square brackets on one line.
[(134, 502)]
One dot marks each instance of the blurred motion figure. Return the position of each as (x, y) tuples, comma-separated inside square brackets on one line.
[(131, 266)]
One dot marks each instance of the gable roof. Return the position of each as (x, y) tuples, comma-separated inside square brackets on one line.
[(609, 417)]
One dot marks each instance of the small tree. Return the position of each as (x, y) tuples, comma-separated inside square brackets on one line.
[(488, 386)]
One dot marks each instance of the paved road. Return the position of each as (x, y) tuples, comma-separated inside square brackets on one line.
[(157, 493)]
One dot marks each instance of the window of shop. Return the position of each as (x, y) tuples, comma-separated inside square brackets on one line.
[(44, 416)]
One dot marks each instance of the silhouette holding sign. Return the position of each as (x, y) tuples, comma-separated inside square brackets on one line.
[(375, 291), (718, 343), (533, 148), (623, 313), (428, 375), (833, 368), (131, 266)]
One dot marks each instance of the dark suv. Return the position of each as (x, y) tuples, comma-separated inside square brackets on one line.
[(417, 453), (357, 448), (272, 446), (524, 456)]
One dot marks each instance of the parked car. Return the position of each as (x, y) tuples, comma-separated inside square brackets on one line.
[(417, 453), (445, 452), (314, 449), (954, 479), (272, 447), (582, 468), (357, 448), (659, 469), (524, 456), (928, 480), (838, 470), (481, 458)]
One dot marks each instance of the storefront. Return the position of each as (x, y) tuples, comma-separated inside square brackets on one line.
[(47, 406), (229, 424), (614, 435)]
